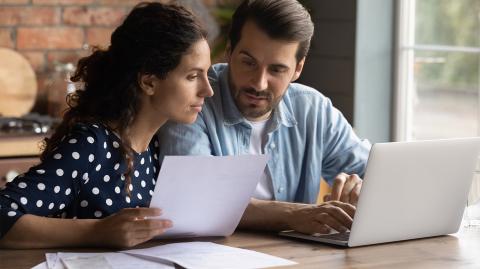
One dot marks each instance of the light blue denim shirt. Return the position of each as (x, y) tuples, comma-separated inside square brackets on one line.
[(307, 138)]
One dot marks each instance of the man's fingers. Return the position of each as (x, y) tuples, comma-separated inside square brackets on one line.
[(333, 223), (327, 197), (355, 194), (348, 187), (337, 187), (348, 208)]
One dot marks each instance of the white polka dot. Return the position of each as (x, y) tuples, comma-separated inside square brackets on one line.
[(56, 189), (41, 186), (76, 155), (68, 191), (139, 196), (74, 173), (99, 166), (156, 143), (150, 192), (115, 144), (50, 206), (85, 178), (153, 181), (122, 177), (98, 214), (109, 155), (150, 157), (136, 173), (104, 145), (106, 178), (14, 206), (23, 200), (148, 170), (154, 169), (155, 156), (130, 187), (142, 161), (72, 141), (117, 165), (22, 185), (109, 202), (91, 157), (90, 140), (95, 191), (39, 203), (127, 199), (41, 171), (62, 206), (84, 203), (59, 172), (117, 189), (57, 156), (11, 213), (106, 131), (94, 125), (143, 183)]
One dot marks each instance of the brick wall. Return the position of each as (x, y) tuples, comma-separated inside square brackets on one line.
[(50, 33)]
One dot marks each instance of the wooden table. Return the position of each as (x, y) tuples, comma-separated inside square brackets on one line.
[(461, 250)]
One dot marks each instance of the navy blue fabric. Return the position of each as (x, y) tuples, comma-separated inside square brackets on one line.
[(82, 179)]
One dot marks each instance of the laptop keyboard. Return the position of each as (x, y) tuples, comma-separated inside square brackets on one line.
[(335, 236)]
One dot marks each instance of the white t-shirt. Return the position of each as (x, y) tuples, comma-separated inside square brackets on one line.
[(264, 190)]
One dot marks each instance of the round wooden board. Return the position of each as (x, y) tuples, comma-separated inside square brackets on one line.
[(18, 84)]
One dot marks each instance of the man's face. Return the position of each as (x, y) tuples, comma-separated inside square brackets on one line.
[(261, 69)]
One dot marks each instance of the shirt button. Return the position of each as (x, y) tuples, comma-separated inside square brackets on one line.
[(272, 146), (280, 189)]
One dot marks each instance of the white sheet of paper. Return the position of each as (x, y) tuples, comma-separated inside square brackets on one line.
[(116, 260), (206, 195), (210, 256), (42, 265), (95, 261)]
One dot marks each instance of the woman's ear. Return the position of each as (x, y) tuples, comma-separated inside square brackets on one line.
[(147, 83)]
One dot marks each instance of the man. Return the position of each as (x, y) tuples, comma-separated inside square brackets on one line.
[(256, 109)]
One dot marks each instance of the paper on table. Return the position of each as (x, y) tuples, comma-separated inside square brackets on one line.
[(115, 259), (95, 261), (206, 195), (210, 255)]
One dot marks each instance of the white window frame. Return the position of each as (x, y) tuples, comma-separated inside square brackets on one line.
[(404, 77)]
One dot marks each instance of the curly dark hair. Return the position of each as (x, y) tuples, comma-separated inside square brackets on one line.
[(151, 40)]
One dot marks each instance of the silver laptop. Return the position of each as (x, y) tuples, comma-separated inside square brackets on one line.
[(410, 190)]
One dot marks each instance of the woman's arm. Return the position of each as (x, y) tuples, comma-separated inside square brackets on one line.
[(127, 228)]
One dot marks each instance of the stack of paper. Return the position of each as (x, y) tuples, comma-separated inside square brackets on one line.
[(189, 255)]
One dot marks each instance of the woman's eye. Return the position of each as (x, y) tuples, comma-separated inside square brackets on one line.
[(192, 77)]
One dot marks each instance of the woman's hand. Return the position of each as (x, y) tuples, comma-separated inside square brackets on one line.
[(310, 219), (130, 227)]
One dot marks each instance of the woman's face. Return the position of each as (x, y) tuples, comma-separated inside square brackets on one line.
[(180, 96)]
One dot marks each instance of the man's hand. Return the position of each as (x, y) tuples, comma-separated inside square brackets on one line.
[(346, 188), (310, 219)]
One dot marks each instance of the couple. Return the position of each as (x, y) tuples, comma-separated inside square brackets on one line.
[(98, 170)]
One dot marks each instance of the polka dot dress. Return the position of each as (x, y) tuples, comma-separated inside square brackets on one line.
[(82, 179)]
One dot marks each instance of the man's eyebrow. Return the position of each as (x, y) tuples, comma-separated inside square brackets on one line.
[(248, 54)]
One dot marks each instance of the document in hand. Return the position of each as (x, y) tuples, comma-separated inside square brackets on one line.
[(206, 195)]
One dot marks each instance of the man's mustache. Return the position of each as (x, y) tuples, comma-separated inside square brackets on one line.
[(252, 91)]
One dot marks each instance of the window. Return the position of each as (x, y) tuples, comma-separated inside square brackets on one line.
[(438, 56)]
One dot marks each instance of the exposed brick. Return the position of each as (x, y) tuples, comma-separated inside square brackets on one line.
[(55, 57), (50, 38), (36, 59), (10, 16), (14, 2), (99, 36), (6, 38), (103, 16), (63, 2), (123, 2)]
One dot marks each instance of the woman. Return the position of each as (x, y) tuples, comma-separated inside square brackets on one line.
[(98, 169)]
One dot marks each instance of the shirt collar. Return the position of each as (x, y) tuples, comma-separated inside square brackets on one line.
[(283, 114)]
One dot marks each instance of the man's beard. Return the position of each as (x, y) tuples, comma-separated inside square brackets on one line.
[(251, 110)]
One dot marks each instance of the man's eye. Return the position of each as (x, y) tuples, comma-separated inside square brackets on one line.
[(249, 63)]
